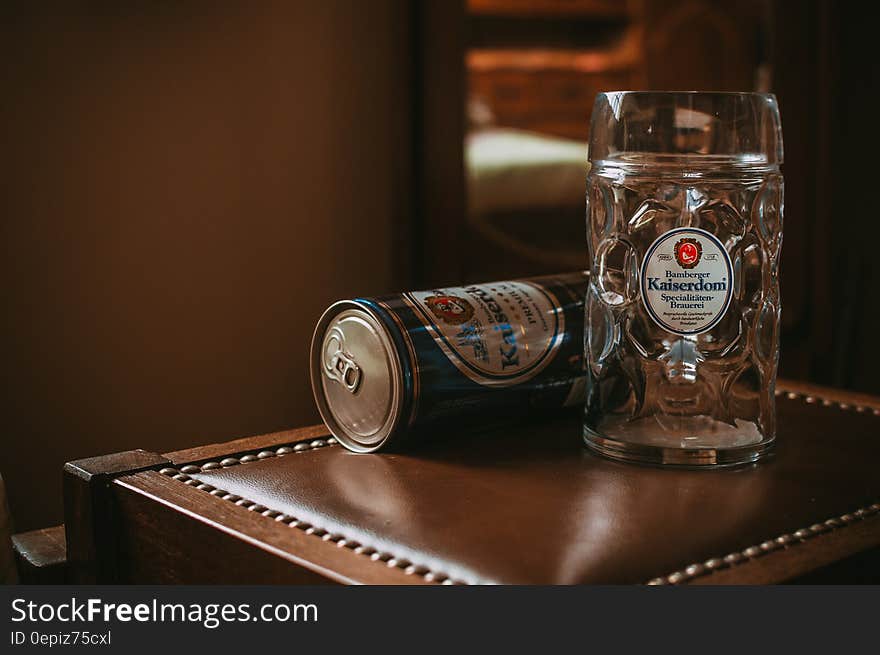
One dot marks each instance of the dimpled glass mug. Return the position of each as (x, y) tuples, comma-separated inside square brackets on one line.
[(684, 222)]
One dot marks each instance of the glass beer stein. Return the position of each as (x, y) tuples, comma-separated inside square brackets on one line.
[(684, 222)]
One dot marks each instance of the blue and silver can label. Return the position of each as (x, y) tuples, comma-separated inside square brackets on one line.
[(403, 365)]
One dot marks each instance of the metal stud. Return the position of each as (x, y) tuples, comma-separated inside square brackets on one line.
[(695, 569), (677, 577), (210, 466), (190, 468), (229, 461)]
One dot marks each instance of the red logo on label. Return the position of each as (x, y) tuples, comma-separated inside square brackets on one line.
[(451, 309), (688, 252)]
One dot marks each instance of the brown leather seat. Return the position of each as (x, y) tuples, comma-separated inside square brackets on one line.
[(529, 504)]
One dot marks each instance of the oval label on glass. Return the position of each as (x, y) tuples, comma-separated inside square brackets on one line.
[(497, 334), (687, 281)]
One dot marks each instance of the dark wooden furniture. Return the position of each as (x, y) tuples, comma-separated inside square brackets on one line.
[(41, 556), (521, 505)]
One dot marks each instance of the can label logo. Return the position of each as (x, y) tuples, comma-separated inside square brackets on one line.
[(497, 334), (691, 295), (450, 309)]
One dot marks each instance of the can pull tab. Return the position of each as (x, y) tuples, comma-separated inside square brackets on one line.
[(339, 365)]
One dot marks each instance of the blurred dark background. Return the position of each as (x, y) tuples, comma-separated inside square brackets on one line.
[(188, 184)]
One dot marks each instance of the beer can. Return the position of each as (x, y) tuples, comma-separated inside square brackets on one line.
[(385, 370)]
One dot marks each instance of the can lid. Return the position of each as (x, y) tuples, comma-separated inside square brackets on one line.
[(356, 376)]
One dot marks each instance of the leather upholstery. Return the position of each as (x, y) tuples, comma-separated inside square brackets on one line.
[(531, 505)]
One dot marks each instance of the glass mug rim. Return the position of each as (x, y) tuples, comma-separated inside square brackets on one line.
[(644, 92), (717, 128)]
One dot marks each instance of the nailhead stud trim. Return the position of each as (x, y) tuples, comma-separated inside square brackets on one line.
[(382, 557)]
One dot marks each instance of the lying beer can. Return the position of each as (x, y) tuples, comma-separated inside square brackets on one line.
[(385, 369)]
